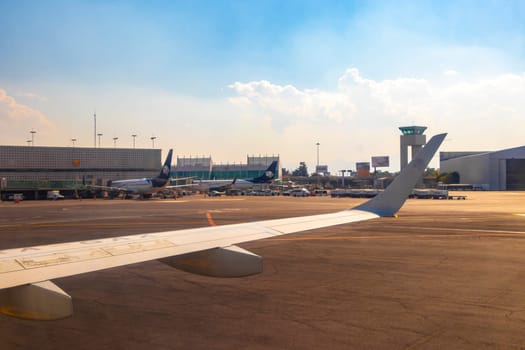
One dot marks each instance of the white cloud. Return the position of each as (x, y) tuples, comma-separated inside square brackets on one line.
[(32, 96), (364, 114), (357, 119), (285, 105), (17, 116)]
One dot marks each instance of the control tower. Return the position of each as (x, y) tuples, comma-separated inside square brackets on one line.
[(412, 136)]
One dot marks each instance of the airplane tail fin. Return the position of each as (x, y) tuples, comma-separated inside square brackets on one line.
[(390, 201), (269, 174), (166, 168)]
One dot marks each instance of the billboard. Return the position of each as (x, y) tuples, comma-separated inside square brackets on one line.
[(380, 162), (321, 169), (363, 168)]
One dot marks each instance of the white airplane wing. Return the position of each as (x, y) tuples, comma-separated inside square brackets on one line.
[(109, 188), (176, 179), (182, 178), (26, 289), (179, 186)]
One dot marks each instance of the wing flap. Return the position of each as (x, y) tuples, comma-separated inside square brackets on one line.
[(10, 266)]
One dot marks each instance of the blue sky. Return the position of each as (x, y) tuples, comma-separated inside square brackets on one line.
[(231, 78)]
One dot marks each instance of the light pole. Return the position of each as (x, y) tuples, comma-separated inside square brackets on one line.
[(73, 141), (99, 135), (95, 129), (153, 141), (115, 142), (28, 142), (134, 135), (33, 132), (343, 171), (317, 144)]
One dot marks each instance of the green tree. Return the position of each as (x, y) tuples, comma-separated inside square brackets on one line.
[(431, 172), (449, 178), (301, 171)]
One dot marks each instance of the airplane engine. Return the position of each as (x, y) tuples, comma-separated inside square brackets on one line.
[(38, 301), (231, 261)]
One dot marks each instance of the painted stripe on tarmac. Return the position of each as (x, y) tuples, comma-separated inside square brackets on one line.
[(465, 233), (210, 219), (467, 230)]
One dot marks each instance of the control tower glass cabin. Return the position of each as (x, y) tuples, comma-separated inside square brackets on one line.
[(413, 137)]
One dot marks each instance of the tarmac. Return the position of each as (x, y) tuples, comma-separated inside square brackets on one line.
[(445, 274)]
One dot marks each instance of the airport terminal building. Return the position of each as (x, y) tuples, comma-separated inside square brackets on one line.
[(496, 171), (66, 167), (34, 170), (204, 168)]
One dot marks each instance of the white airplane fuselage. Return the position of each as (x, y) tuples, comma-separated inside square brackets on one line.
[(137, 186), (209, 185), (240, 184), (143, 186)]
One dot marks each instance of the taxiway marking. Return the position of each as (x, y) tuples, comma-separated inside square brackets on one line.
[(468, 230), (210, 219), (466, 233)]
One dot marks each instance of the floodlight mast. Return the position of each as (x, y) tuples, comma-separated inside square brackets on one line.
[(95, 130), (99, 135), (33, 132)]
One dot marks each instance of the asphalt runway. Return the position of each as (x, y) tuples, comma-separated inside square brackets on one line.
[(443, 275)]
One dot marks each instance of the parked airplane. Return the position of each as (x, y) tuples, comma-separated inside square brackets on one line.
[(144, 187), (223, 185), (26, 289)]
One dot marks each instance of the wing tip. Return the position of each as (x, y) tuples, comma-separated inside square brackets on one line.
[(392, 199)]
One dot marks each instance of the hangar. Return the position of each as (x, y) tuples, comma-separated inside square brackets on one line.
[(495, 171)]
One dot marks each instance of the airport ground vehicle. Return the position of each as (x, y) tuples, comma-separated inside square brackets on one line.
[(234, 192), (300, 192), (16, 197), (54, 195), (320, 193)]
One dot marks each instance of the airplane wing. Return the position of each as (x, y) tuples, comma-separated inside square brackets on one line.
[(109, 188), (223, 186), (182, 178), (175, 179), (179, 186), (26, 289), (211, 185)]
